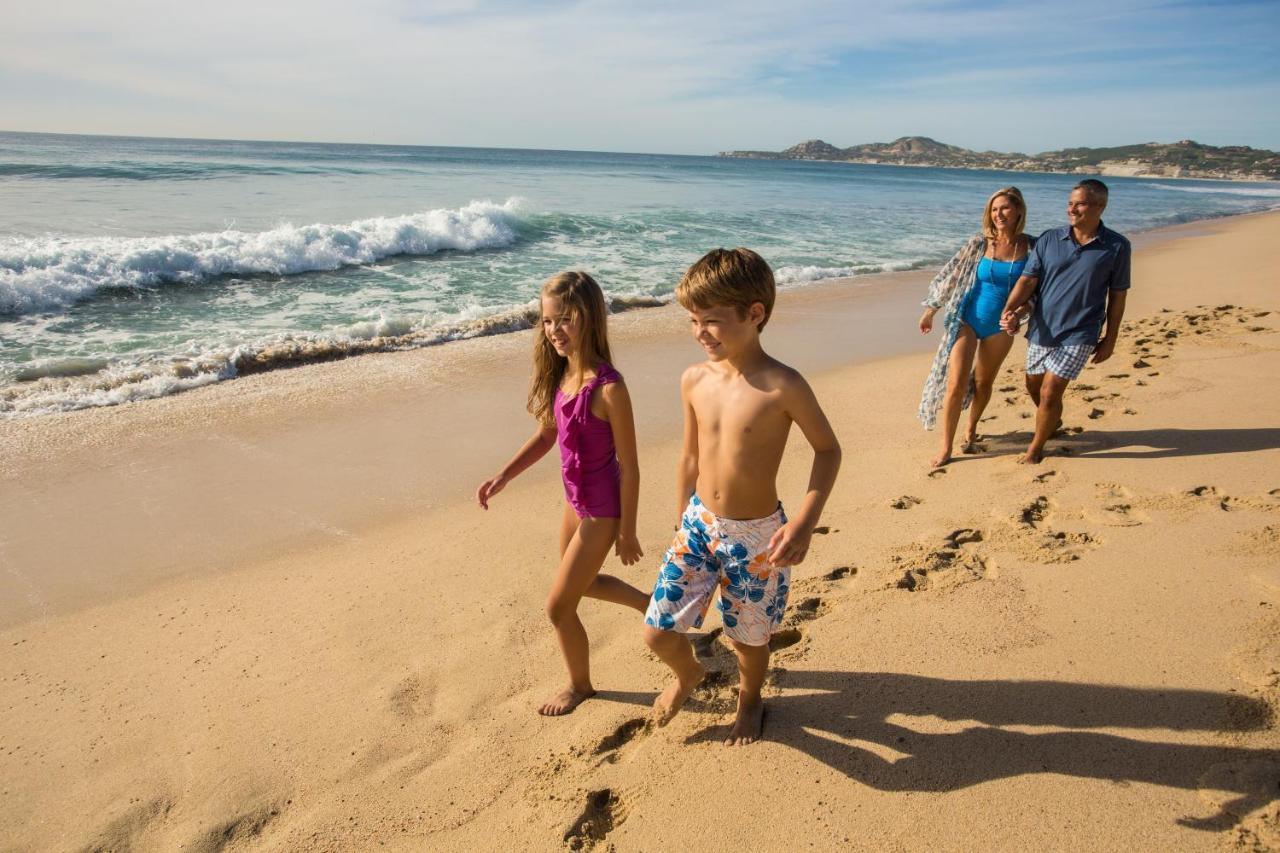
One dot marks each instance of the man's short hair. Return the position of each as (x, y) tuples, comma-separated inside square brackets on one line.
[(734, 277), (1095, 188)]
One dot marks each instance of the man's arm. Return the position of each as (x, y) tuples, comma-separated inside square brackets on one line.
[(790, 544), (1115, 313), (1018, 297), (687, 467)]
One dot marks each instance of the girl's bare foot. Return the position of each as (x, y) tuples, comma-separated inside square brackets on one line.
[(564, 702), (671, 700), (941, 459), (749, 724), (1032, 458)]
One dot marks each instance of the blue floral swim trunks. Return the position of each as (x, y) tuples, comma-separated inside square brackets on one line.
[(711, 553)]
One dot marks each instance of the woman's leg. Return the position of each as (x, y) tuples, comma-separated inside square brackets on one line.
[(579, 565), (991, 354), (958, 368)]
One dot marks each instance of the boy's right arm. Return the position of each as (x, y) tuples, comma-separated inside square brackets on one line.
[(534, 449), (687, 469)]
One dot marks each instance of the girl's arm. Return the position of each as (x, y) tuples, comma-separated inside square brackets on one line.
[(687, 468), (534, 449), (617, 403)]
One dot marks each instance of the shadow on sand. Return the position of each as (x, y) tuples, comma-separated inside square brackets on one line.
[(830, 715)]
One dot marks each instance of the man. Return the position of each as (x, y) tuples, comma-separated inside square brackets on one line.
[(1080, 274)]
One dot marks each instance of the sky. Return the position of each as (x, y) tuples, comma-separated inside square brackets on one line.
[(670, 76)]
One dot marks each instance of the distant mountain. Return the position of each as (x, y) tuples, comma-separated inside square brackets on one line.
[(1185, 159)]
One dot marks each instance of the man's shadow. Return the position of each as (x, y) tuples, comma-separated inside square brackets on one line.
[(827, 714), (1105, 443)]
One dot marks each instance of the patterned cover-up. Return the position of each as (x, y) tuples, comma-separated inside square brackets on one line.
[(946, 293)]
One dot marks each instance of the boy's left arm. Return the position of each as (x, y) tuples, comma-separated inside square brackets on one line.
[(790, 544), (617, 403)]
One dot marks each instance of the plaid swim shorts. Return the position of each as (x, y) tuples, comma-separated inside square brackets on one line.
[(1066, 361)]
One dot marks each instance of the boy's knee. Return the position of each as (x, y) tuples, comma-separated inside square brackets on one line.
[(654, 638)]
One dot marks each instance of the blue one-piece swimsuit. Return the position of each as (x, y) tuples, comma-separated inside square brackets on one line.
[(985, 302)]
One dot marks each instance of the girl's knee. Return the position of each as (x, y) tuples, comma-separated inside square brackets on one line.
[(560, 610)]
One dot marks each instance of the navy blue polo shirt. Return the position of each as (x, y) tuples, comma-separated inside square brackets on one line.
[(1071, 299)]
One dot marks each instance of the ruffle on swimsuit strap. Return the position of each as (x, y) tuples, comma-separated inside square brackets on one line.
[(571, 441)]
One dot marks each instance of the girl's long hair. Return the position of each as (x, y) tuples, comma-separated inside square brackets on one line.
[(585, 301), (1014, 195)]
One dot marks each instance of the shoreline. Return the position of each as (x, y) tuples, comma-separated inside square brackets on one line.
[(307, 350), (994, 657)]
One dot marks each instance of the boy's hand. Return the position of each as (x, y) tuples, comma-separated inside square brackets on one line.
[(789, 545), (628, 549), (488, 489)]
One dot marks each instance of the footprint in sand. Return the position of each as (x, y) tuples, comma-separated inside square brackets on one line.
[(1129, 412), (127, 831), (1117, 376), (810, 608), (626, 732), (824, 530), (1097, 413), (936, 472), (785, 639), (604, 811), (707, 645), (944, 567), (1045, 477), (1034, 513), (905, 502), (1007, 389), (839, 572), (1117, 506)]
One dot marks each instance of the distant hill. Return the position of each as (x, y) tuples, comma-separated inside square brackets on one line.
[(1185, 159)]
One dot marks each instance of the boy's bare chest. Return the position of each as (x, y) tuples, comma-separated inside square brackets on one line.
[(738, 415)]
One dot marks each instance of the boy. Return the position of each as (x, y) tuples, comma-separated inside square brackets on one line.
[(738, 408)]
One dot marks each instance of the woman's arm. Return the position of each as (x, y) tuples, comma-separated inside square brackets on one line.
[(534, 449), (617, 404), (948, 278)]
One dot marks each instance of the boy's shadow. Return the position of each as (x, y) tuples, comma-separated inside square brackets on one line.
[(827, 714)]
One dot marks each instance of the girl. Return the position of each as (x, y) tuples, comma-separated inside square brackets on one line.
[(580, 402), (971, 289)]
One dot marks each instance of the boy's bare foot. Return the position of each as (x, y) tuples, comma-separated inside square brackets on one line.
[(671, 700), (940, 460), (749, 724), (971, 448), (564, 702)]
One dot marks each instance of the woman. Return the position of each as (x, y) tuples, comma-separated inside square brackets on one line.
[(971, 290)]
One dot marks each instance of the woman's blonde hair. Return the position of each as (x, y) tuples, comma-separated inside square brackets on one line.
[(1015, 195), (583, 299)]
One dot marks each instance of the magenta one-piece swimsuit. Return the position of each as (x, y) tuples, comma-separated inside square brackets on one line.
[(588, 459)]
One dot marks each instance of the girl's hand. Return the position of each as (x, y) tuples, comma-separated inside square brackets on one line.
[(926, 320), (488, 489), (789, 545), (628, 549)]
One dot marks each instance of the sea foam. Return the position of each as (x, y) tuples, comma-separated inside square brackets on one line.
[(51, 274)]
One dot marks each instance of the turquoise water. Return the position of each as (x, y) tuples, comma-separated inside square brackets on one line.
[(133, 268)]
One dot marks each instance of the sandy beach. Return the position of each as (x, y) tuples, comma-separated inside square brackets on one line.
[(266, 615)]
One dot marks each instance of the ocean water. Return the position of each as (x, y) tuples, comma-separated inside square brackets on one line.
[(134, 268)]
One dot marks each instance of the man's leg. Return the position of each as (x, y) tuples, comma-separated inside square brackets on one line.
[(1048, 394)]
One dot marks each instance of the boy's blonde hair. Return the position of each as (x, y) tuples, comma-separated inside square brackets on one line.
[(734, 277), (1014, 195)]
